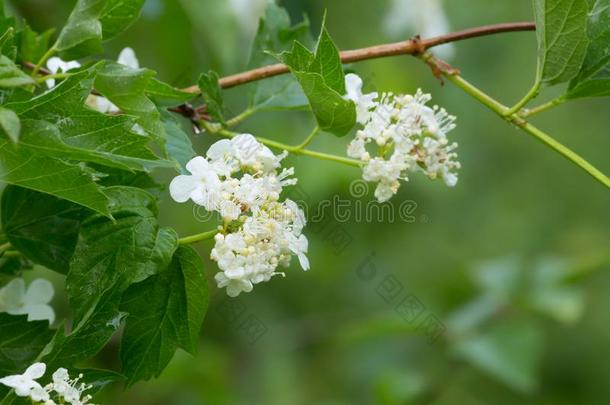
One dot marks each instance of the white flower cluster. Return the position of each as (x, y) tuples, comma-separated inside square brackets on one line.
[(127, 57), (242, 180), (62, 390), (410, 137)]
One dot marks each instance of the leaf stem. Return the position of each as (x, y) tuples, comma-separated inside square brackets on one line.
[(241, 117), (11, 253), (528, 97), (5, 246), (197, 237), (50, 52), (543, 107), (53, 76), (515, 119), (309, 139)]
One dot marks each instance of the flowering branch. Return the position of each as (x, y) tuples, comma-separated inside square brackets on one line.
[(513, 117), (414, 46)]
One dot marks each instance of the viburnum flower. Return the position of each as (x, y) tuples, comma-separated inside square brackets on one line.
[(407, 135), (15, 299), (57, 65), (242, 180), (63, 389), (25, 383)]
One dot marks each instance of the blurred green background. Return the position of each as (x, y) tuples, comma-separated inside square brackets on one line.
[(495, 292)]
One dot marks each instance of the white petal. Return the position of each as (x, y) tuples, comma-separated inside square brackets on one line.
[(182, 187), (198, 166), (40, 312), (303, 261), (220, 149), (35, 371), (54, 64), (11, 295), (39, 394), (353, 87), (128, 58), (40, 291)]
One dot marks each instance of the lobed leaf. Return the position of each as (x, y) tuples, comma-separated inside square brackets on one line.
[(126, 87), (212, 95), (593, 79), (11, 75), (561, 27), (322, 79), (94, 21), (109, 256), (165, 313), (42, 227), (60, 125), (27, 168), (10, 124)]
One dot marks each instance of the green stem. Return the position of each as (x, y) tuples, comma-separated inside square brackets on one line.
[(500, 109), (5, 246), (241, 117), (543, 107), (528, 97), (11, 253), (53, 76), (198, 237), (309, 139), (295, 149), (50, 52)]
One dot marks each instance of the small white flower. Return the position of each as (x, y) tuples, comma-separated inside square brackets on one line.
[(15, 299), (364, 102), (245, 180), (202, 186), (128, 58), (25, 383), (57, 65), (408, 135)]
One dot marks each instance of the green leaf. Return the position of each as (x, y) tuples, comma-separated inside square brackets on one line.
[(212, 95), (165, 313), (26, 168), (32, 46), (275, 34), (9, 124), (11, 75), (510, 350), (593, 80), (66, 128), (178, 146), (327, 62), (126, 87), (20, 342), (164, 93), (322, 79), (94, 21), (561, 29), (7, 40), (42, 227), (109, 256)]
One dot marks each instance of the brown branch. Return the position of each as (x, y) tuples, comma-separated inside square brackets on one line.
[(414, 46)]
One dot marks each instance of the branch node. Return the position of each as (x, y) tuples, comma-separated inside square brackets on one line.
[(439, 67)]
